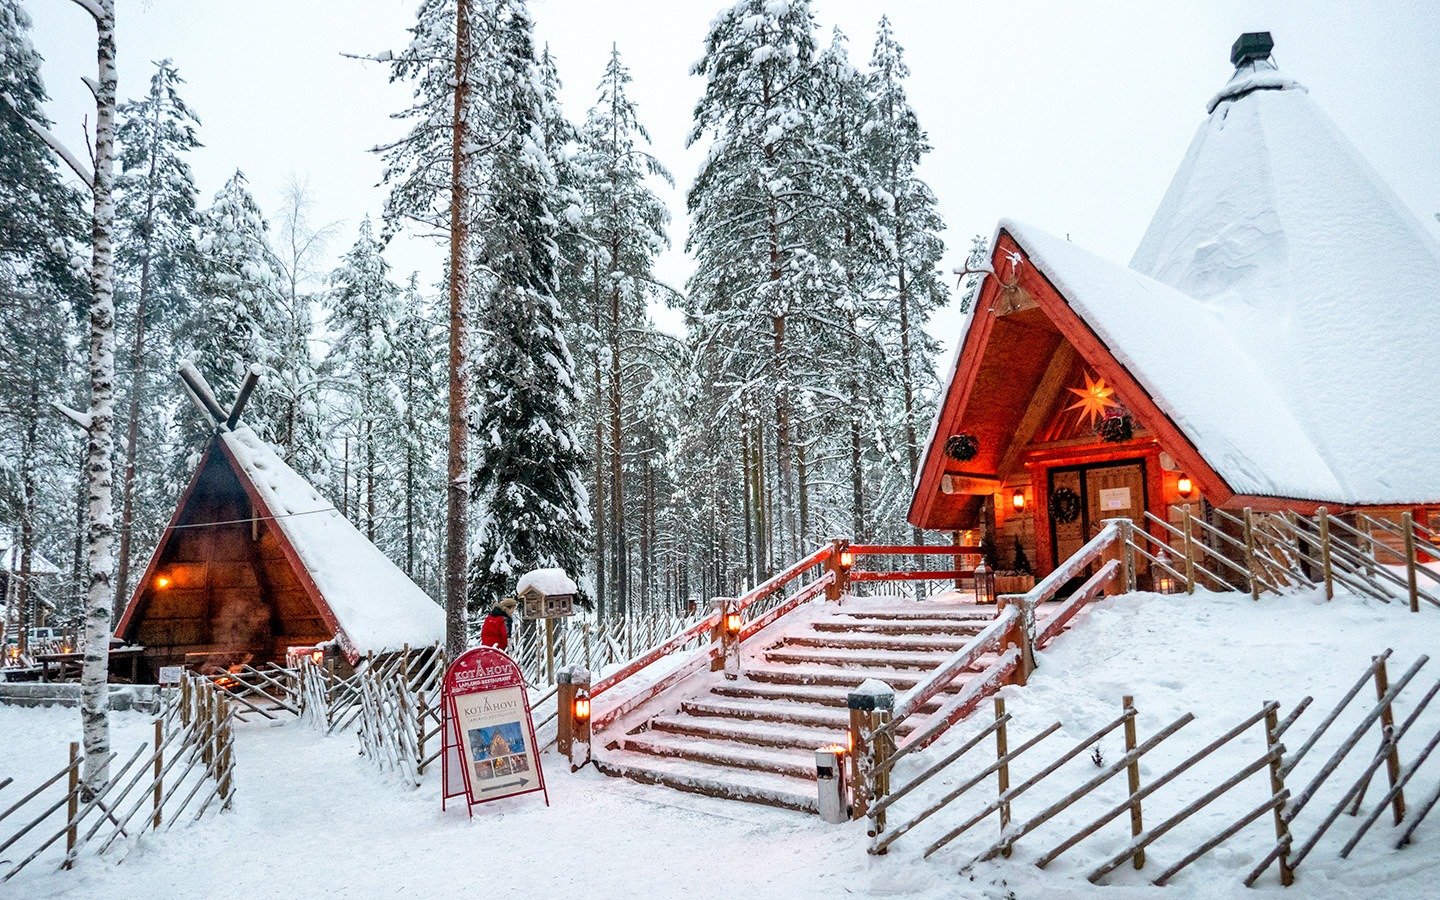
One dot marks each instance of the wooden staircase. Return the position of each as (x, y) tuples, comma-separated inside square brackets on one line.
[(754, 738)]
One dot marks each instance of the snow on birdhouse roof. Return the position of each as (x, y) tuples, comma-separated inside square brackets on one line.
[(1291, 246), (376, 606), (550, 582)]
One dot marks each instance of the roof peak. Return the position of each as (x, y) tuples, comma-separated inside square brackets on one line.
[(1253, 72)]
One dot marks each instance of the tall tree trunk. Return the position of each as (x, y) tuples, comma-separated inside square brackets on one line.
[(599, 499), (620, 553), (457, 493), (23, 592), (370, 480), (907, 373), (99, 603), (752, 569)]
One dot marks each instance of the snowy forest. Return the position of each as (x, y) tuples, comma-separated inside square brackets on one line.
[(521, 407)]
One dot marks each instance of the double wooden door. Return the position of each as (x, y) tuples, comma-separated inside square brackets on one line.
[(1083, 497)]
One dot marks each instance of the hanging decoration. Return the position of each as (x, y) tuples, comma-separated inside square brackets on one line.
[(1116, 427), (1096, 399), (961, 447), (1064, 506)]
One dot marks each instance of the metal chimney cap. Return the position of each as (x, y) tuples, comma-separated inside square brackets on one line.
[(1251, 45)]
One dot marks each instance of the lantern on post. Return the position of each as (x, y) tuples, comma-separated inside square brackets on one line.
[(729, 627), (984, 583), (847, 557), (572, 730)]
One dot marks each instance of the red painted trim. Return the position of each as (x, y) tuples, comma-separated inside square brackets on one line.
[(901, 550)]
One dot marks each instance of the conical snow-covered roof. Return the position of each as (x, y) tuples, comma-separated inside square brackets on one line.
[(1318, 272)]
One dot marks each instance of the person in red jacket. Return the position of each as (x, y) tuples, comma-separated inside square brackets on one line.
[(495, 632)]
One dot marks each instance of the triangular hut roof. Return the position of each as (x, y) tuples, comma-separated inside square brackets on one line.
[(1312, 294), (371, 605)]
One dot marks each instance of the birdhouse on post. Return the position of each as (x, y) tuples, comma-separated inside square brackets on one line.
[(546, 594)]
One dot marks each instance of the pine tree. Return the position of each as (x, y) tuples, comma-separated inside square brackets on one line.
[(527, 487), (363, 304), (155, 224), (237, 314)]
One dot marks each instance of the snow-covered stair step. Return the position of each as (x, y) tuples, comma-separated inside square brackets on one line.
[(794, 763), (843, 676), (769, 711), (902, 626), (820, 695), (714, 781), (761, 734), (961, 614), (924, 642), (879, 659)]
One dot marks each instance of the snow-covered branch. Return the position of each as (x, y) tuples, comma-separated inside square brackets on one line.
[(93, 8), (84, 420), (54, 143)]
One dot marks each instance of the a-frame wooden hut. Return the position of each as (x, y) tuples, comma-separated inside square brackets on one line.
[(255, 561), (1270, 346)]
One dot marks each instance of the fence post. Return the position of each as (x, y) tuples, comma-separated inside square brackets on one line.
[(1133, 775), (1250, 554), (159, 767), (1407, 522), (1189, 554), (1277, 787), (73, 806), (1018, 635), (867, 710), (1392, 756), (1323, 515), (1002, 775)]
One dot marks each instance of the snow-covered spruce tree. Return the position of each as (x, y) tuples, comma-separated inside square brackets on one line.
[(527, 487), (155, 222), (752, 205), (432, 173), (621, 353), (914, 284), (236, 318), (363, 303)]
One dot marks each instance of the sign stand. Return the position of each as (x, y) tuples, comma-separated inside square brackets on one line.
[(489, 747)]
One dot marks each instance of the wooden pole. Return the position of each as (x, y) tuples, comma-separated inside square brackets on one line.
[(1002, 774), (1250, 553), (159, 769), (1392, 757), (1127, 546), (1137, 825), (550, 649), (1277, 788), (1323, 515), (1407, 522), (1189, 553), (73, 805)]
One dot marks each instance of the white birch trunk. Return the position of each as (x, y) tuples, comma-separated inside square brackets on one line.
[(94, 688)]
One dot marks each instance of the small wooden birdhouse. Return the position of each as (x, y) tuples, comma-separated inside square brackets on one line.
[(546, 594)]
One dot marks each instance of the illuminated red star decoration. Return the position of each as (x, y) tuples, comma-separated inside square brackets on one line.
[(1094, 399)]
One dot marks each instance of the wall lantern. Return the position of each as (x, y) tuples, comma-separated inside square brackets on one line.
[(582, 706), (1017, 499), (317, 656), (732, 621), (1184, 485), (162, 581), (847, 558)]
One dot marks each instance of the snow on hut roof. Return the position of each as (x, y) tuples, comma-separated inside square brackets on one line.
[(39, 565), (377, 606), (1319, 276), (549, 582)]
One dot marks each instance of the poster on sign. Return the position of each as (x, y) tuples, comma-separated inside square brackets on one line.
[(490, 747)]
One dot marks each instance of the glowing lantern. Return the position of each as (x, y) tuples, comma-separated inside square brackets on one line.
[(732, 622), (317, 656), (1184, 485), (1165, 582), (162, 581), (582, 707), (847, 558), (1017, 499)]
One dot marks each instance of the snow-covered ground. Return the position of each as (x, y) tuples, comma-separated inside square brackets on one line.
[(314, 818)]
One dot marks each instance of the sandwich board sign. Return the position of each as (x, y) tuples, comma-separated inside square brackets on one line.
[(489, 744)]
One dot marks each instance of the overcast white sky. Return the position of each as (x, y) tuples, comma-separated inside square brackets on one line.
[(1069, 115)]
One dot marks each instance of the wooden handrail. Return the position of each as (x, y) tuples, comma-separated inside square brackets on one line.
[(656, 653), (808, 592), (1072, 566), (778, 581), (1088, 591), (958, 662)]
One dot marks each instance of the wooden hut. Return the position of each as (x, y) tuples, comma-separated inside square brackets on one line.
[(255, 561), (1269, 346)]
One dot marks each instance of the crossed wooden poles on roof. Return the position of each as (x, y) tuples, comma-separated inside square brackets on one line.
[(200, 393)]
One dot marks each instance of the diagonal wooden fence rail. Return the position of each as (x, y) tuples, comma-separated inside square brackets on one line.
[(185, 771)]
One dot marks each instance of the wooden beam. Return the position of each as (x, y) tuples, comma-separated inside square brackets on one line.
[(1051, 384), (969, 484), (200, 393), (252, 378)]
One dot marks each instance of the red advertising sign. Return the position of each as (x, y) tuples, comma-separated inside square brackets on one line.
[(489, 749)]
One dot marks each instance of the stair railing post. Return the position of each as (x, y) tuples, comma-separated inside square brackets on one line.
[(572, 715), (832, 567), (1021, 635), (868, 710), (1117, 551), (1407, 522), (1189, 554), (1323, 516), (1127, 544)]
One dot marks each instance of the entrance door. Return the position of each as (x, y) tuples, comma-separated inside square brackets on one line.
[(1083, 497)]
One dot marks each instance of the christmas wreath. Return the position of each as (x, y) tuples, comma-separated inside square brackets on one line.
[(1064, 506), (961, 447), (1116, 428)]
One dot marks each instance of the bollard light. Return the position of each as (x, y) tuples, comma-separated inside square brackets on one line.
[(1184, 485), (582, 706)]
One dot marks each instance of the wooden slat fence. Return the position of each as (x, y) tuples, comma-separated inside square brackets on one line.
[(186, 770)]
